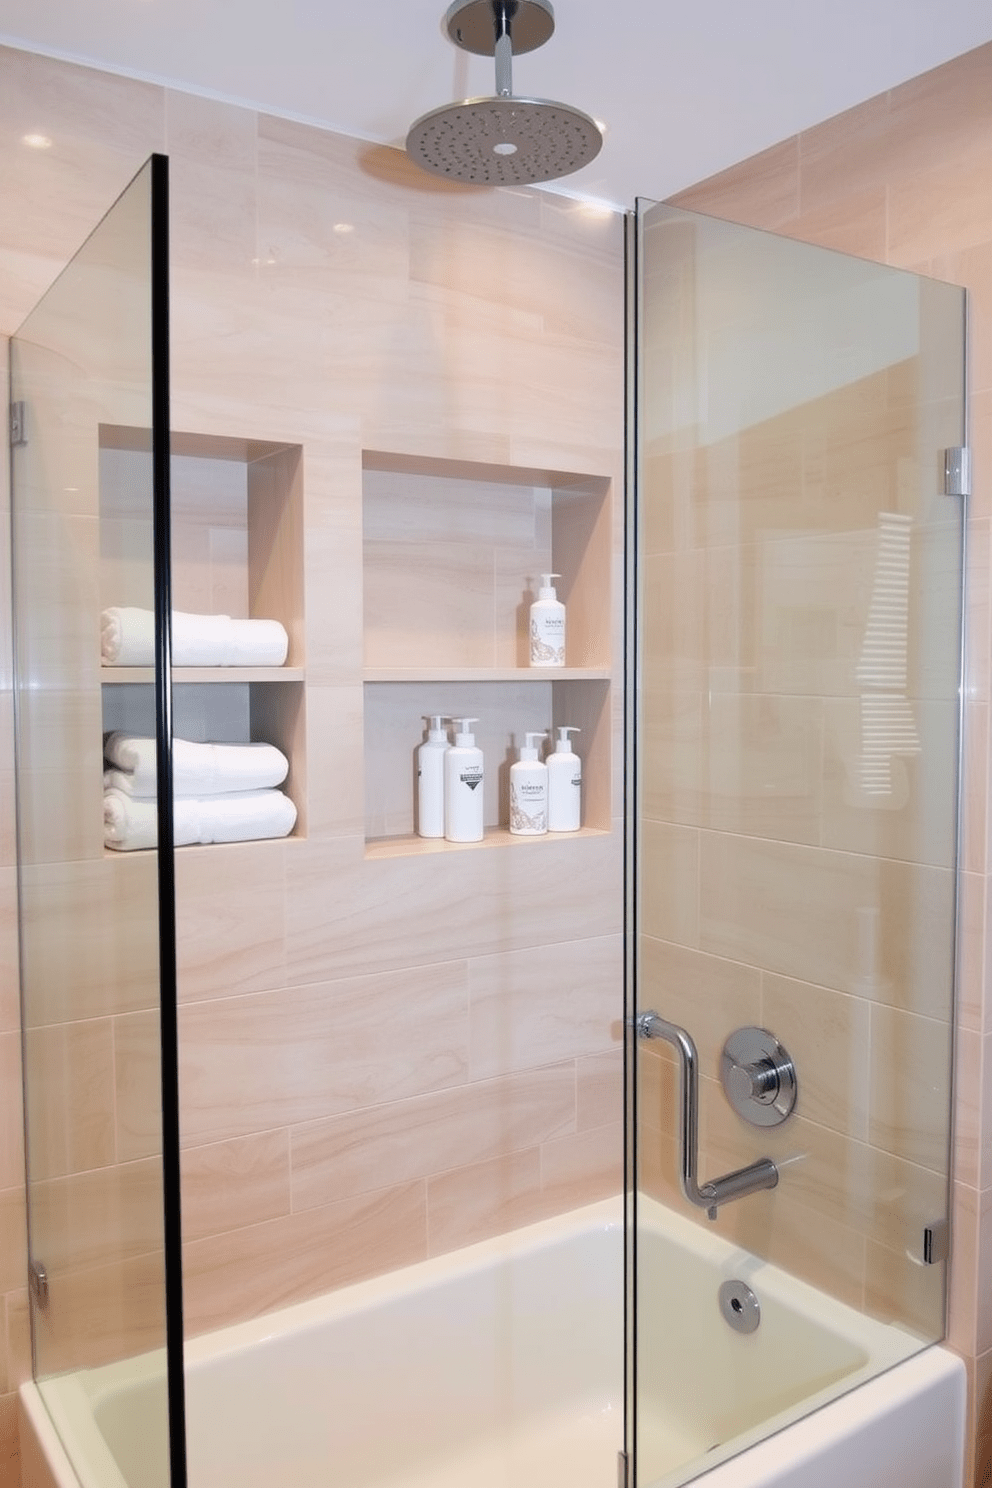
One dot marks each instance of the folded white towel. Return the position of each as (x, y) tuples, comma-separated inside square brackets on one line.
[(127, 638), (197, 769), (130, 823)]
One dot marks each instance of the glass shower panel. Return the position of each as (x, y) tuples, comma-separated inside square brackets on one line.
[(797, 705), (94, 966)]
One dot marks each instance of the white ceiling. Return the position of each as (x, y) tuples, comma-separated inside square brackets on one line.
[(684, 90)]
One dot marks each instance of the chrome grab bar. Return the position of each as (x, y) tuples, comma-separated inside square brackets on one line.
[(735, 1185)]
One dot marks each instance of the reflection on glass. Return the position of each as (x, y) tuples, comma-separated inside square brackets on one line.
[(797, 742)]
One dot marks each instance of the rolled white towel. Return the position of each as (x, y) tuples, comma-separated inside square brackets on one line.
[(127, 638), (131, 823), (197, 769)]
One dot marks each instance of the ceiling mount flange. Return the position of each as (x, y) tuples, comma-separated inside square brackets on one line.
[(471, 25)]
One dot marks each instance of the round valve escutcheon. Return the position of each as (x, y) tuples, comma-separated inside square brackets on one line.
[(758, 1076)]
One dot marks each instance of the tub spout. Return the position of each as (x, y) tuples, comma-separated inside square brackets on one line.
[(735, 1185)]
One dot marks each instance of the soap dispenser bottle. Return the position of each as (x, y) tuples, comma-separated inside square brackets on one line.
[(463, 785), (529, 792), (547, 626), (430, 778), (564, 785)]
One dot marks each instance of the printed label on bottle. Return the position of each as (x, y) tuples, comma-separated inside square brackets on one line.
[(526, 822), (547, 646), (471, 776)]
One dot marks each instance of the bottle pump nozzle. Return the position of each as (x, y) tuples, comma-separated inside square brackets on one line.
[(547, 590), (562, 745), (463, 734), (436, 730), (528, 751)]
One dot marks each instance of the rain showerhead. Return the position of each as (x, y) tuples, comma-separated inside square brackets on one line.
[(504, 140)]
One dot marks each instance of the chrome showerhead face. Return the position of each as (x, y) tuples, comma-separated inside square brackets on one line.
[(504, 141)]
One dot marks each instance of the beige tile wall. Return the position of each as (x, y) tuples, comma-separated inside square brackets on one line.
[(904, 179), (381, 1060)]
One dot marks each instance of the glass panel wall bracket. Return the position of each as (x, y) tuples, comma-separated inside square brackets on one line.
[(759, 1082)]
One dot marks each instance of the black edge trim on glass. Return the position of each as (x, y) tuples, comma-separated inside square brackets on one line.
[(631, 391), (161, 459)]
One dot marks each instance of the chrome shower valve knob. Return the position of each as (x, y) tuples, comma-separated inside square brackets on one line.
[(758, 1076)]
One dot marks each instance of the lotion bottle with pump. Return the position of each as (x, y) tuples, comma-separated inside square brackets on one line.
[(547, 626), (430, 778), (529, 792), (564, 785), (463, 786)]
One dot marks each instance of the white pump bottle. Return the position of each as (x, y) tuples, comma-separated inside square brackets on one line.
[(529, 791), (463, 786), (547, 626), (430, 777), (564, 785)]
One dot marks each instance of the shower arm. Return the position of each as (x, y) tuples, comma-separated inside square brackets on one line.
[(503, 54), (736, 1185)]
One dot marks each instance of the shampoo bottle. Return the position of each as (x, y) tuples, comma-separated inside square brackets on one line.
[(463, 786), (529, 792), (564, 785), (547, 626), (430, 778)]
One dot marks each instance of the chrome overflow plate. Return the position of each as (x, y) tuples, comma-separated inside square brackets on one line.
[(758, 1076), (739, 1305)]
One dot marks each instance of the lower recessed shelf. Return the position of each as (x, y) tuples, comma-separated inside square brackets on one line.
[(400, 847)]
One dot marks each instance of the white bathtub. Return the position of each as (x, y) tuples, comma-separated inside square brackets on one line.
[(501, 1367)]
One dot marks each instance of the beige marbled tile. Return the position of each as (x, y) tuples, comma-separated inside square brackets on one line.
[(915, 819), (406, 911), (13, 1239), (599, 1091), (98, 1218), (974, 789), (972, 1107), (853, 224), (803, 912), (899, 1289), (669, 883), (213, 211), (387, 1145), (584, 1167), (10, 1453), (69, 1080), (760, 766), (137, 1046), (334, 746), (228, 1185), (910, 1087), (827, 1036), (819, 1170), (934, 210), (105, 959), (18, 1337), (10, 1011), (972, 951), (247, 1272), (101, 1314), (980, 402), (445, 594), (762, 191), (230, 919), (535, 1007), (966, 1317), (299, 1054), (706, 995), (484, 1199)]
